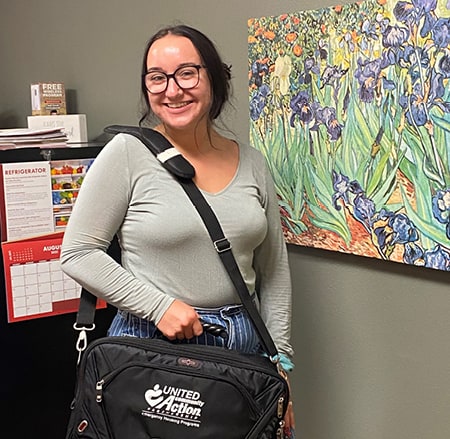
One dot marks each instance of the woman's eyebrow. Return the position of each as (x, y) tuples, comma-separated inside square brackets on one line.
[(160, 69)]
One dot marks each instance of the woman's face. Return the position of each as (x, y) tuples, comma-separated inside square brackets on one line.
[(177, 108)]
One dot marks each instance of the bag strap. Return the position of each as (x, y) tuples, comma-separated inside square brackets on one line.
[(223, 248), (164, 151), (175, 163)]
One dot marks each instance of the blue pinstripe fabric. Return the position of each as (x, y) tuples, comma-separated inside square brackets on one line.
[(241, 334)]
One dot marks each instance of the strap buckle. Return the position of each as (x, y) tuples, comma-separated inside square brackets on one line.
[(222, 245), (81, 343)]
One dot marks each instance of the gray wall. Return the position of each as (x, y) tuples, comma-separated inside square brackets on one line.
[(371, 338)]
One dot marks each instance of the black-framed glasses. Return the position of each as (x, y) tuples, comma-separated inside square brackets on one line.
[(185, 77)]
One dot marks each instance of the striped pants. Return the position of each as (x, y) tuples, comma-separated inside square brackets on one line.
[(241, 333)]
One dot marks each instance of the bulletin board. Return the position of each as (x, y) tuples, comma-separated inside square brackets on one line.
[(36, 201)]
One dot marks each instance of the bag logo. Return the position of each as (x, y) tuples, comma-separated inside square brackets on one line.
[(174, 404), (190, 362), (154, 396)]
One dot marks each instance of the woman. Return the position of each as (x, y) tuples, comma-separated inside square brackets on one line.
[(170, 276)]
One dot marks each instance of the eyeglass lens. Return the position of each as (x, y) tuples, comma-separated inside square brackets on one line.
[(185, 77)]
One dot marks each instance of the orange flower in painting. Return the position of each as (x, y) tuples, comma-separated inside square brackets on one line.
[(250, 21), (252, 39), (295, 20), (291, 36), (297, 50), (381, 2), (338, 9), (283, 17), (323, 28), (259, 31), (269, 34)]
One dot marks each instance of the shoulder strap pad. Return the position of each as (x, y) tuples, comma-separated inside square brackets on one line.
[(163, 150)]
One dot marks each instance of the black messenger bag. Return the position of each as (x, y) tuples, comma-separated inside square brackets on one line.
[(134, 388), (131, 388)]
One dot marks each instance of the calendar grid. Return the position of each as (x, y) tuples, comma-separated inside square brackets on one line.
[(36, 286)]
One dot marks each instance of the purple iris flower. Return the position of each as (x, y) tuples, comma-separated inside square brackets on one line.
[(416, 110), (403, 229), (258, 70), (403, 55), (309, 65), (441, 208), (343, 187), (364, 210), (327, 116), (301, 108), (405, 12), (437, 258), (413, 12), (443, 65), (413, 254), (389, 57), (441, 32), (406, 55), (332, 74), (341, 184), (369, 29), (368, 76), (437, 89), (426, 6), (258, 101), (395, 36)]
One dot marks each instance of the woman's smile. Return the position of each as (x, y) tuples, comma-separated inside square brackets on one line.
[(178, 105)]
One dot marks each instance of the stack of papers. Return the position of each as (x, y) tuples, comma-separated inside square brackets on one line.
[(29, 137)]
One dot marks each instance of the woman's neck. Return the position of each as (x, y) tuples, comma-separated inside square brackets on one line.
[(192, 141)]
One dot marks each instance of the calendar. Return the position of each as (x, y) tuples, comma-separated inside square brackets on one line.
[(35, 284)]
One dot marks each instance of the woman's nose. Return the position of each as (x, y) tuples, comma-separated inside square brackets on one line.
[(172, 87)]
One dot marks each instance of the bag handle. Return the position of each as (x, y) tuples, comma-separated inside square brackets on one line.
[(175, 163)]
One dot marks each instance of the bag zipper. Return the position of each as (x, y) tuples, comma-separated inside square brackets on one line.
[(191, 351)]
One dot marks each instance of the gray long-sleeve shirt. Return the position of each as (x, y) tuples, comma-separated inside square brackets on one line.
[(166, 251)]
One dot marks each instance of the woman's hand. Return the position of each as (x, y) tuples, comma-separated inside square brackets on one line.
[(289, 421), (180, 321)]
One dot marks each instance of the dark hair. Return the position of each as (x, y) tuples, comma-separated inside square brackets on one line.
[(218, 72)]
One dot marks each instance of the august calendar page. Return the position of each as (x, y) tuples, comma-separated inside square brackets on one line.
[(35, 284)]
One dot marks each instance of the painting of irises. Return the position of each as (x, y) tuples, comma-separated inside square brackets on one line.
[(351, 107)]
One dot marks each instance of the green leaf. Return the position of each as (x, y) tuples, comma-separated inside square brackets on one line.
[(325, 220)]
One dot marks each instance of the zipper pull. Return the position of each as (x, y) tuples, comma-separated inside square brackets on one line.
[(99, 389), (280, 431), (280, 407)]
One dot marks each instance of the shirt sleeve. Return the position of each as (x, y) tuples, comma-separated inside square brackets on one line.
[(96, 218), (272, 271)]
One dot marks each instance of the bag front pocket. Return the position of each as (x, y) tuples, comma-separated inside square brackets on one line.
[(169, 402)]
